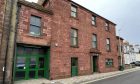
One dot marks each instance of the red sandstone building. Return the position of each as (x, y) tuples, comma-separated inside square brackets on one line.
[(60, 38)]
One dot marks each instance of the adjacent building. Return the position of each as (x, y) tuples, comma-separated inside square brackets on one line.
[(60, 38), (8, 20), (120, 50), (129, 54), (137, 51)]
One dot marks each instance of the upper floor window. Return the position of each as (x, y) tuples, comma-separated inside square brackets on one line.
[(107, 26), (74, 37), (73, 11), (117, 47), (93, 20), (108, 44), (35, 25), (94, 41), (121, 48)]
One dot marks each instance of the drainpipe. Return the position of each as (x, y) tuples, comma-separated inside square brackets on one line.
[(10, 42), (15, 45), (3, 69), (6, 33)]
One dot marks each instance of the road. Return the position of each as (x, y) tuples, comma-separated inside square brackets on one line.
[(130, 78)]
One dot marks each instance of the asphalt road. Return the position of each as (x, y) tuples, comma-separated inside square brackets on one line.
[(130, 78)]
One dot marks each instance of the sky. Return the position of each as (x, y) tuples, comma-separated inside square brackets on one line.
[(125, 13)]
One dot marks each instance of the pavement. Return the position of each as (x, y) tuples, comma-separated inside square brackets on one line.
[(129, 78), (79, 79)]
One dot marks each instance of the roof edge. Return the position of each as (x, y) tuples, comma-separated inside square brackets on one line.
[(119, 37), (92, 12)]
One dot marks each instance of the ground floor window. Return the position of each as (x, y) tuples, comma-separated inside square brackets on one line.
[(109, 62)]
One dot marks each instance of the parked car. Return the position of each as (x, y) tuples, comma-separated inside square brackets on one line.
[(132, 63), (137, 63)]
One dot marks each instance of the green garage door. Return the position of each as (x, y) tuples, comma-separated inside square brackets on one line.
[(31, 63)]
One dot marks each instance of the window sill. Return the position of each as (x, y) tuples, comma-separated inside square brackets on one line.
[(107, 30), (108, 50), (109, 66), (94, 25), (36, 36), (76, 18), (74, 46)]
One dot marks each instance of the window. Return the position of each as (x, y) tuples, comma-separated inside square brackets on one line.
[(74, 37), (0, 38), (35, 25), (94, 41), (108, 44), (106, 26), (30, 50), (117, 47), (93, 20), (73, 11), (109, 62), (121, 48)]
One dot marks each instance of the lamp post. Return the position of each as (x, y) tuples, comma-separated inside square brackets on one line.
[(120, 52)]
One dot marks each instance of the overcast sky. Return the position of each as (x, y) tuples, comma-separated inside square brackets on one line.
[(125, 13)]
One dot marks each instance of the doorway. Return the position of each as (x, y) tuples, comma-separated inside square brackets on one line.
[(95, 64), (74, 67)]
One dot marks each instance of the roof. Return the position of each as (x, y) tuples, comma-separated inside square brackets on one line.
[(35, 6), (119, 37), (91, 11), (125, 42)]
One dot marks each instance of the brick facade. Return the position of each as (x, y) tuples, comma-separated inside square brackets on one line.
[(24, 24), (56, 34), (85, 30), (56, 23)]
